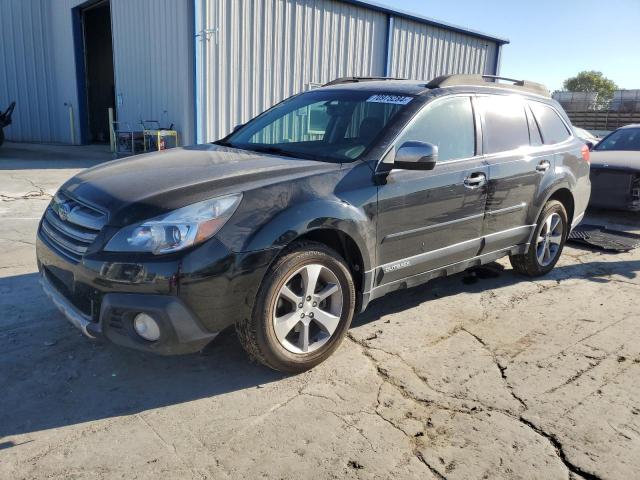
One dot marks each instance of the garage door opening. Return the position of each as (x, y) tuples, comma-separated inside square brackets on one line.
[(96, 78)]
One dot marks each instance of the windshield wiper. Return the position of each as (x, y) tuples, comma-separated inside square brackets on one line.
[(274, 150), (278, 151)]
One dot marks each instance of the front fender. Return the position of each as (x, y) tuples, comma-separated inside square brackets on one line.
[(297, 220)]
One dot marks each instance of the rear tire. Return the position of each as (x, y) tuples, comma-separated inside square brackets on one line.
[(547, 242), (303, 309)]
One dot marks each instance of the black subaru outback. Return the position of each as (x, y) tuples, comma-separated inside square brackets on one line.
[(298, 219)]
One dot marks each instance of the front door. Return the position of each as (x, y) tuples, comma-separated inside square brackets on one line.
[(430, 219)]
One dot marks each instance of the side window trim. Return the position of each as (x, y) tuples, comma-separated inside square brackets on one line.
[(384, 158), (478, 127), (532, 121)]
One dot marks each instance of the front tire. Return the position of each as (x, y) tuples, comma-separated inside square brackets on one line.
[(303, 309), (547, 243)]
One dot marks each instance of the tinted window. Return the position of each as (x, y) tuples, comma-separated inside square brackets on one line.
[(447, 123), (551, 125), (505, 123), (623, 139)]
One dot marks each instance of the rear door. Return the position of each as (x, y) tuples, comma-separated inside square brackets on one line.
[(428, 219), (517, 163), (565, 149)]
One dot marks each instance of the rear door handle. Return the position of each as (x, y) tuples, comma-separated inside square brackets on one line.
[(543, 166), (475, 180)]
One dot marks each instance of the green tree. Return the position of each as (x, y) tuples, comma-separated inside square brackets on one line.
[(592, 81)]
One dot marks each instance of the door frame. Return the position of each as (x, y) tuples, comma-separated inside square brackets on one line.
[(424, 257), (80, 53)]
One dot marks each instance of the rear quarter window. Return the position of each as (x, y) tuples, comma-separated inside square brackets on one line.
[(553, 129)]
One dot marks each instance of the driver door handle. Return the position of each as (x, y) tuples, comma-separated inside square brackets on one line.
[(475, 180), (543, 166)]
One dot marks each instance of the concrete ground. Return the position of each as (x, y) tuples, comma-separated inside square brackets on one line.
[(474, 376)]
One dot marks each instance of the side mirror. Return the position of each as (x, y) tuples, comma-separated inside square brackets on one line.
[(590, 144), (416, 156)]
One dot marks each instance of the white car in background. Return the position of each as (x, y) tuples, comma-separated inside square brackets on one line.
[(615, 170), (589, 138)]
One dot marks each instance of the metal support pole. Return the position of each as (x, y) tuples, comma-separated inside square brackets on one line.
[(389, 47), (72, 122), (112, 133), (199, 42)]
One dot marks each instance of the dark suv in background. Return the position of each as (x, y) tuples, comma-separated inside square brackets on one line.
[(299, 218)]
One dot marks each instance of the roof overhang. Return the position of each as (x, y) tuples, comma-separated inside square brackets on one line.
[(425, 20)]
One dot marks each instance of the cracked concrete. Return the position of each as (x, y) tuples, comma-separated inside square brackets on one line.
[(485, 376)]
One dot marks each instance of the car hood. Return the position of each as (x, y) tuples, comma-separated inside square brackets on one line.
[(618, 159), (140, 187)]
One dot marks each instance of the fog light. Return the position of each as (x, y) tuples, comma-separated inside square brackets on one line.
[(146, 327)]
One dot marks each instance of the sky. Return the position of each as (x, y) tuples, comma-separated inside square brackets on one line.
[(551, 40)]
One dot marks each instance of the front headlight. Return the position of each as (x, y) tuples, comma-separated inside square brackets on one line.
[(176, 230)]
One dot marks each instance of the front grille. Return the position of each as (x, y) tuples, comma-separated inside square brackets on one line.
[(70, 226)]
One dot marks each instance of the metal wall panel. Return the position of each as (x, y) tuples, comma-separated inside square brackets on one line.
[(36, 68), (420, 51), (263, 51), (153, 62), (257, 53)]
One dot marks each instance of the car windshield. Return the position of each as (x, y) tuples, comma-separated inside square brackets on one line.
[(330, 125), (623, 139)]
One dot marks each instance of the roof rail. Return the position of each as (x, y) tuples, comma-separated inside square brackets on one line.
[(341, 80), (489, 81)]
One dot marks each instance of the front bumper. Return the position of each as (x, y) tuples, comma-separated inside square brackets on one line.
[(192, 297), (180, 331), (615, 188), (73, 314)]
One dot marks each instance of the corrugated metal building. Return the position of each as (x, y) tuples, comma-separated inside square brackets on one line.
[(205, 65)]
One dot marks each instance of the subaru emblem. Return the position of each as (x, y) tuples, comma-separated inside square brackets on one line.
[(63, 211)]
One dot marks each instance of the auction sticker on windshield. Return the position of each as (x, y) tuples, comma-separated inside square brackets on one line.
[(395, 99)]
